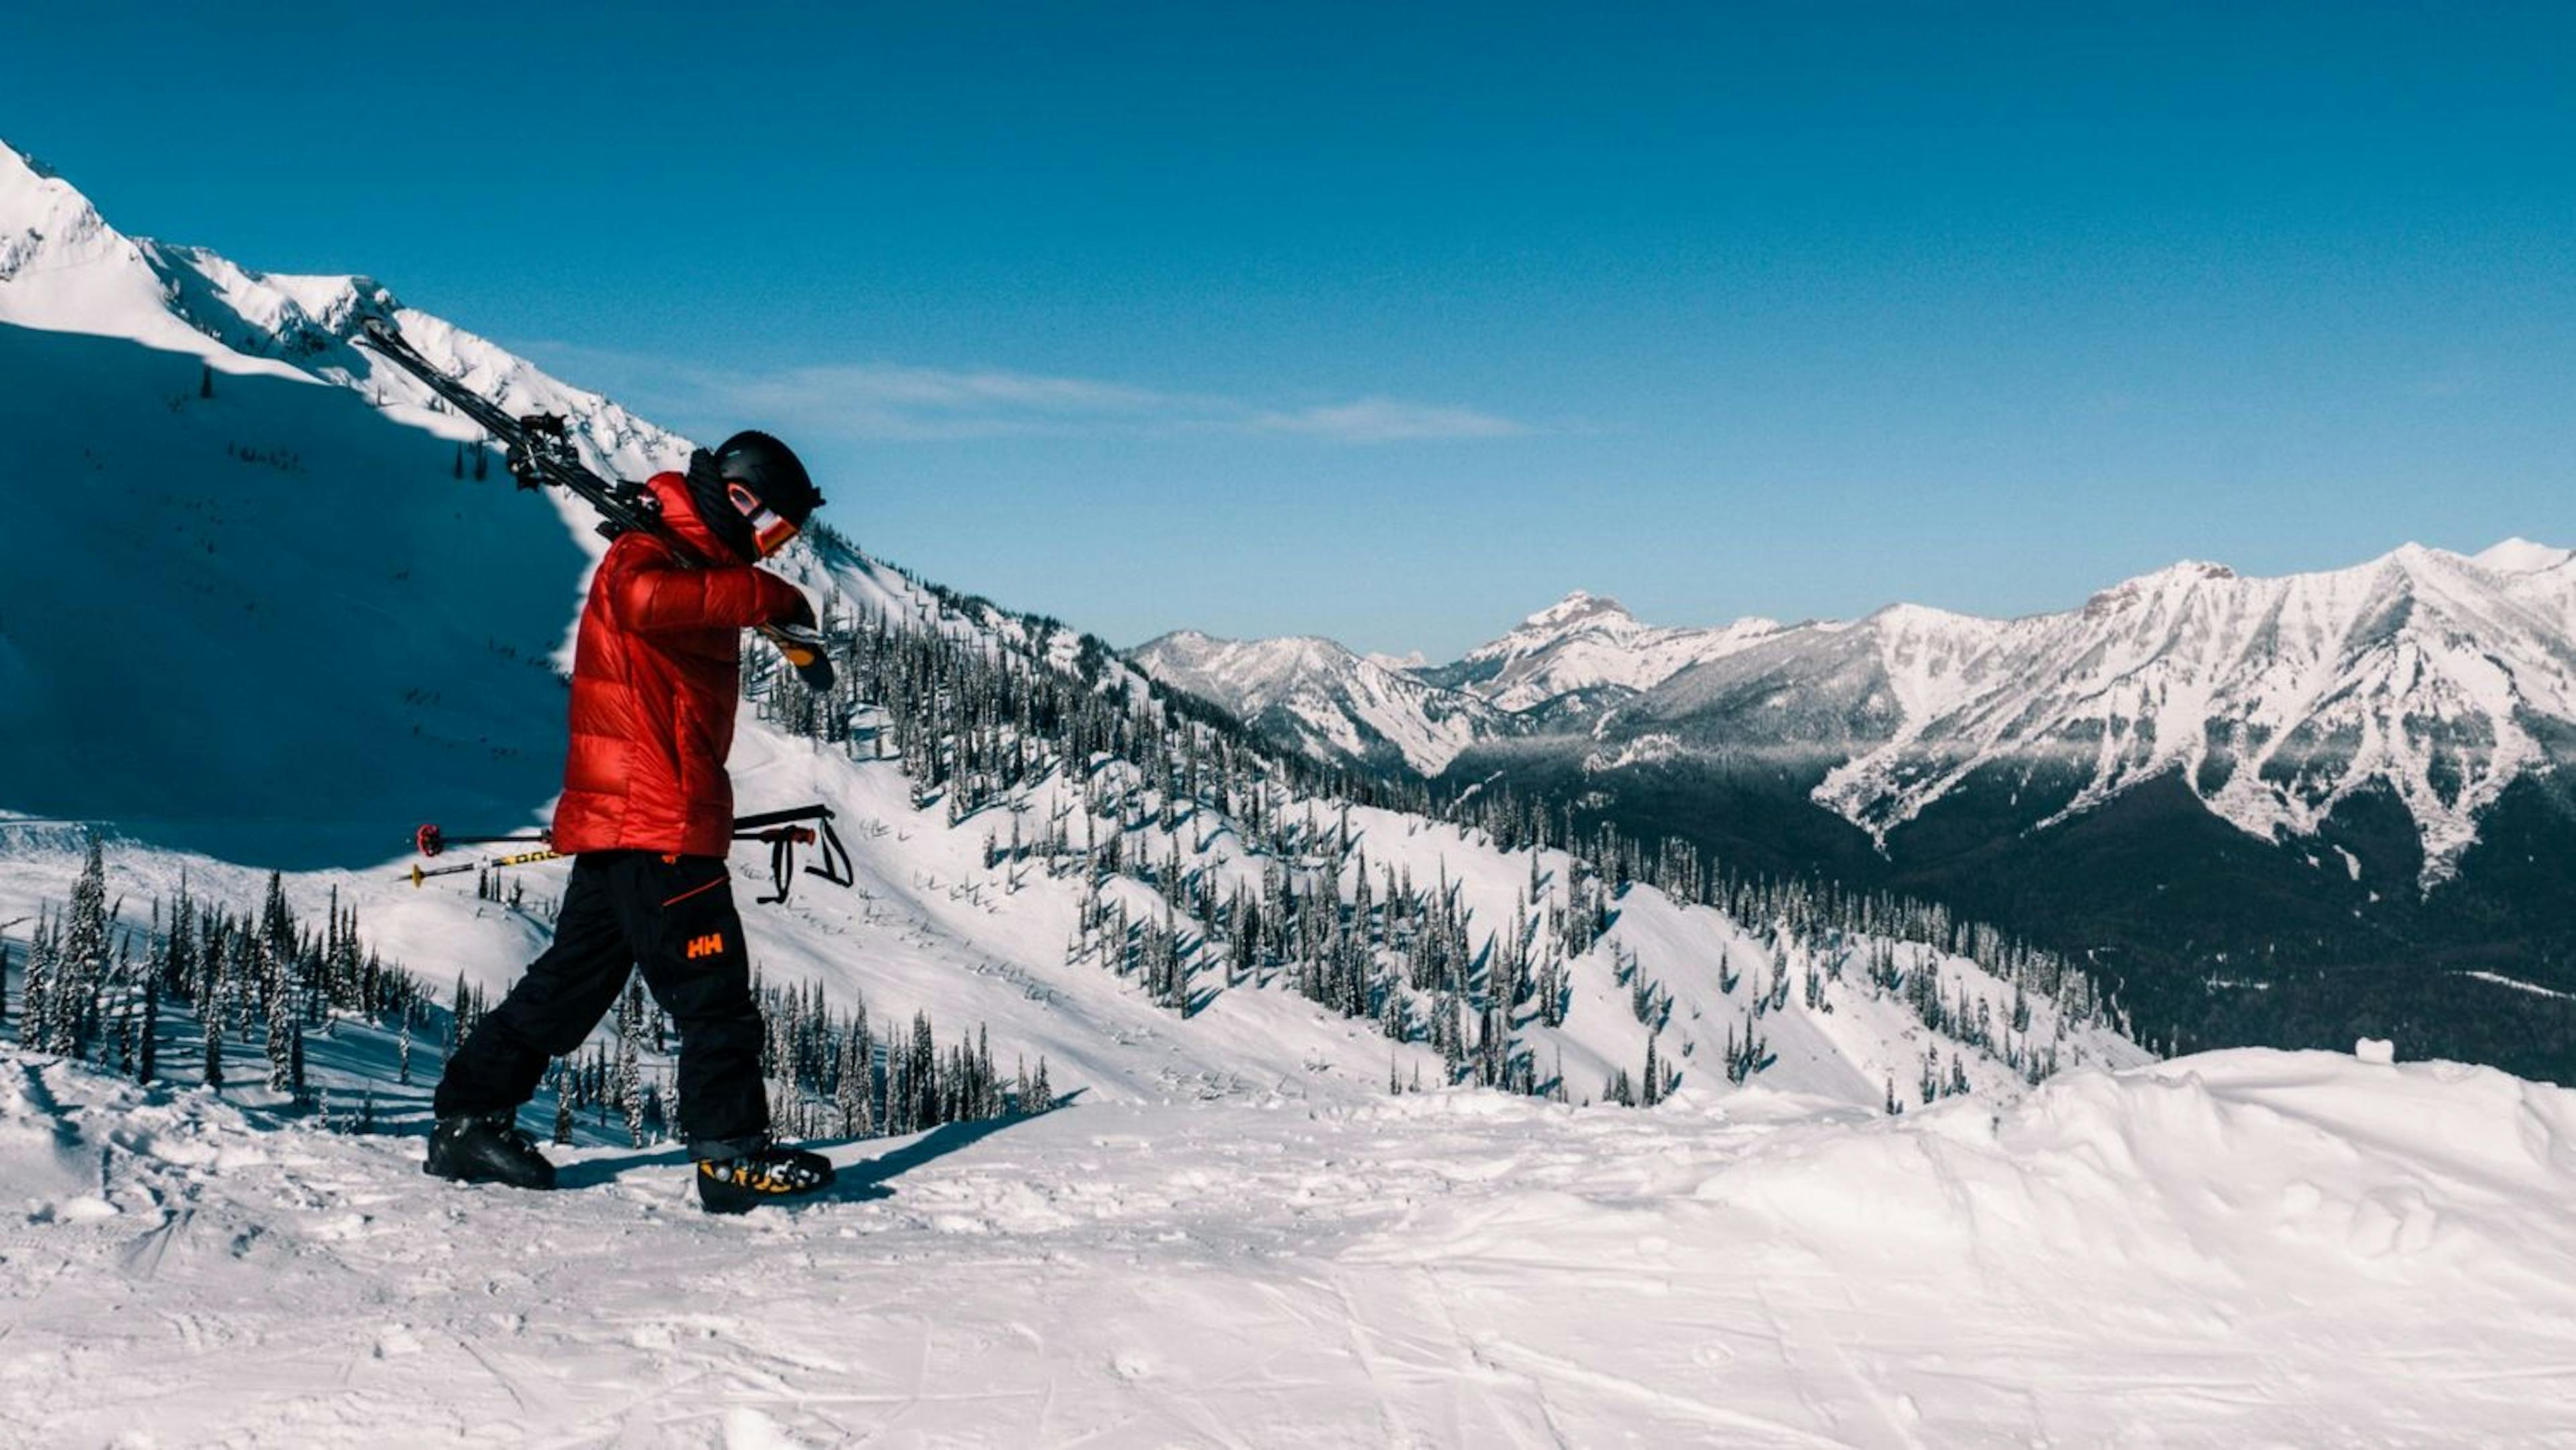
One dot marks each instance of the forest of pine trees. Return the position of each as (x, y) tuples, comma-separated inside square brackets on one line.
[(101, 989), (97, 988), (976, 716)]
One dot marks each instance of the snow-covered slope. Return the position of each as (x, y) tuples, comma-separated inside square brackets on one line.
[(234, 505), (1321, 699), (338, 636), (2246, 1248), (64, 269)]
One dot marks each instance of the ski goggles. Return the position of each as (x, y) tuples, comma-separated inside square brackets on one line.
[(769, 532)]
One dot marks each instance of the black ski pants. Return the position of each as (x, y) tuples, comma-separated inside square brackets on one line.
[(675, 918)]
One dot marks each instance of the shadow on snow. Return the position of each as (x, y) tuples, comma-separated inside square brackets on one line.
[(857, 1182)]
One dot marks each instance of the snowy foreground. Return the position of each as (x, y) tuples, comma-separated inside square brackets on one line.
[(2236, 1249)]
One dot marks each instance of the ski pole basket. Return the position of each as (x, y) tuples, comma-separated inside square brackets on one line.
[(784, 831)]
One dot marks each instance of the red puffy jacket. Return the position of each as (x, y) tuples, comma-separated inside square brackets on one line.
[(656, 672)]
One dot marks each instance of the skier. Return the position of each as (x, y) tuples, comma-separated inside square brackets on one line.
[(647, 816)]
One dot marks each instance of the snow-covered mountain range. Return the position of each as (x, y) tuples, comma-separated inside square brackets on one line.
[(2437, 677), (1554, 673)]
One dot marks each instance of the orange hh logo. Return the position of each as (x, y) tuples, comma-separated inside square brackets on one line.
[(706, 946)]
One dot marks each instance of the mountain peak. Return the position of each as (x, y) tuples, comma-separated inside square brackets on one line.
[(64, 269), (2519, 555), (1574, 608), (10, 153), (2186, 571), (33, 198), (1180, 639), (2179, 576)]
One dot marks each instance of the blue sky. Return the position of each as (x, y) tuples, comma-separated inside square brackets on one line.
[(1397, 326)]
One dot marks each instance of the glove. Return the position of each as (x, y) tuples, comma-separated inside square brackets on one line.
[(804, 651), (816, 671)]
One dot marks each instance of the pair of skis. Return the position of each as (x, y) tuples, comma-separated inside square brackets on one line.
[(538, 450)]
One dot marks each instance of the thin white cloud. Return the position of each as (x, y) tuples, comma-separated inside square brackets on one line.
[(1389, 420), (887, 385), (894, 401)]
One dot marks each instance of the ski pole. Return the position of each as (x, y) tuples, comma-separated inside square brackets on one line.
[(419, 874), (781, 831), (431, 840)]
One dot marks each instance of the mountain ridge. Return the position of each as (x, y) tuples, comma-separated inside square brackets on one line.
[(2241, 683), (1334, 705)]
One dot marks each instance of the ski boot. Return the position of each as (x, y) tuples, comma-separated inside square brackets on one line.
[(487, 1148), (770, 1174)]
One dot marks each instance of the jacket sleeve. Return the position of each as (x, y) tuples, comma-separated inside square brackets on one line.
[(655, 594)]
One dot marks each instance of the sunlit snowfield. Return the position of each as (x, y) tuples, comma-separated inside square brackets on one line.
[(2244, 1248)]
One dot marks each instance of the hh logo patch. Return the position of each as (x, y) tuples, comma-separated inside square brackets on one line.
[(706, 946)]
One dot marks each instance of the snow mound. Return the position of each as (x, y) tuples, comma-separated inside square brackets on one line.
[(2306, 1165), (2223, 1247)]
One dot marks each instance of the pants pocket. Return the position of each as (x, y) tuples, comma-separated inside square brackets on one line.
[(689, 878), (699, 929)]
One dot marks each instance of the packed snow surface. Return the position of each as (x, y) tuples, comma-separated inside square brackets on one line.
[(2237, 1249)]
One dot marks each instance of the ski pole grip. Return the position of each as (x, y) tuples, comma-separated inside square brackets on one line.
[(774, 818)]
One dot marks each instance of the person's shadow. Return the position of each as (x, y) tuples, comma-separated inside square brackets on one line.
[(860, 1182)]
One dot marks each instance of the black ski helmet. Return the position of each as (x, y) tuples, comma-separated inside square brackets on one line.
[(771, 471), (768, 470)]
